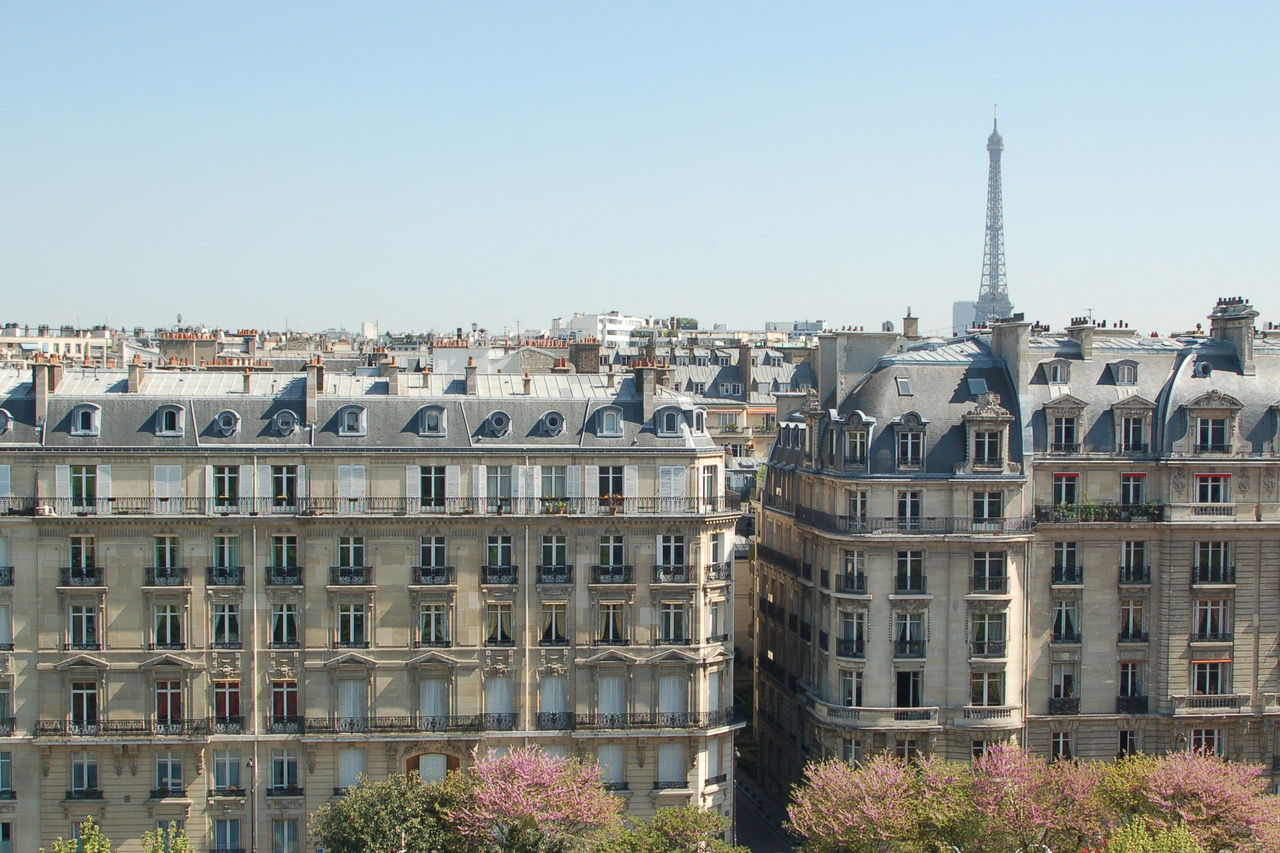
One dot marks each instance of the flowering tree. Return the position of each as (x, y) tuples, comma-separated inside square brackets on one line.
[(862, 810), (678, 829), (527, 800), (91, 840)]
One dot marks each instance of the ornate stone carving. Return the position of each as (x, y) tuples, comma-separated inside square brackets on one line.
[(311, 758), (1246, 482), (1179, 482), (988, 406)]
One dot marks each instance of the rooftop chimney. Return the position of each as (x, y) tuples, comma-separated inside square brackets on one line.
[(1011, 341), (584, 355), (528, 385), (136, 373), (646, 379), (473, 384), (744, 366), (1232, 321), (45, 376), (248, 381), (315, 387), (1081, 331), (388, 368), (911, 326)]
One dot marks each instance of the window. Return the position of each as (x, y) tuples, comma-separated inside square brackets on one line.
[(906, 749), (1212, 488), (672, 769), (1208, 741), (1065, 438), (84, 772), (1133, 489), (700, 418), (1064, 489), (613, 629), (671, 551), (284, 486), (433, 624), (613, 768), (669, 423), (698, 387), (555, 624), (167, 554), (498, 487), (169, 421), (1213, 563), (433, 421), (226, 487), (6, 771), (904, 385), (1134, 555), (1066, 621), (84, 626), (84, 486), (352, 620), (609, 481), (169, 704), (910, 577), (498, 631), (1059, 374), (1212, 619), (989, 574), (988, 634), (226, 702), (909, 510), (855, 447), (609, 423), (986, 688), (909, 690), (988, 506), (853, 628), (1126, 374), (284, 551), (226, 423), (1133, 434), (986, 448), (908, 635), (856, 504), (1132, 679), (350, 552), (284, 769), (612, 552), (226, 834), (169, 774), (432, 552), (351, 420), (1133, 624), (499, 551), (432, 479), (168, 627), (1062, 746), (851, 688), (85, 419), (1211, 435), (673, 624), (910, 449), (1065, 555), (1063, 681), (83, 556), (554, 482), (226, 626), (284, 626), (226, 552), (433, 701), (350, 766), (284, 836)]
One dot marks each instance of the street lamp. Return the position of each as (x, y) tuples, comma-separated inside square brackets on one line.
[(253, 807)]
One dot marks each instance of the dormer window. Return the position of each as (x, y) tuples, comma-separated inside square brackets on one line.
[(498, 424), (910, 449), (285, 422), (1213, 421), (552, 424), (669, 423), (1126, 373), (169, 421), (227, 423), (352, 421), (1066, 436), (1133, 433), (987, 449), (1058, 373), (699, 421), (609, 422), (855, 447), (86, 419), (432, 421), (6, 421), (1211, 435)]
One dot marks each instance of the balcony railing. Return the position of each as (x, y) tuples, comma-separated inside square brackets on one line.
[(554, 721), (1068, 575), (1213, 448), (6, 575), (1211, 703), (988, 648), (224, 576), (988, 584), (1099, 512), (908, 648), (91, 728), (166, 576), (7, 726), (180, 728), (555, 574), (84, 794), (285, 791), (285, 725), (433, 575), (356, 642), (1136, 447), (168, 793), (1135, 575), (350, 575), (226, 725), (1064, 447), (671, 574), (82, 576), (1213, 510), (719, 572), (855, 584), (988, 462), (717, 638), (1212, 637), (1066, 638), (1064, 705), (228, 642), (861, 717), (910, 585), (1133, 637), (613, 574), (661, 720), (499, 575), (284, 575), (1213, 575), (854, 525), (1131, 704), (498, 722), (852, 649)]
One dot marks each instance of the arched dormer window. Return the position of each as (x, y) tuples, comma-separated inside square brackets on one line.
[(497, 424), (6, 421), (285, 422), (551, 424), (353, 421), (86, 419), (857, 438), (909, 436), (227, 423), (700, 421), (1125, 372), (668, 422), (431, 421), (170, 421), (609, 422), (1057, 372)]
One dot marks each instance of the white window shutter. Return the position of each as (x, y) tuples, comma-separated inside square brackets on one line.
[(104, 482), (246, 482), (533, 473), (664, 481), (208, 483), (344, 481), (62, 482), (479, 481), (413, 484), (6, 484), (452, 481), (679, 481), (303, 494), (359, 487), (591, 481), (713, 691), (631, 481), (264, 482), (517, 482), (572, 481)]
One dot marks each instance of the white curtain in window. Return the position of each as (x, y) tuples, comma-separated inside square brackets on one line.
[(612, 697), (671, 766), (6, 483), (553, 694), (612, 768), (433, 697), (432, 767), (284, 836), (6, 623), (497, 695), (713, 690), (350, 766), (714, 750), (351, 697), (4, 552), (673, 694)]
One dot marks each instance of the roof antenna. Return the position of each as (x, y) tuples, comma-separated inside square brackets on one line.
[(995, 116)]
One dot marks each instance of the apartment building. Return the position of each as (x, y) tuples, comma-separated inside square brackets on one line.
[(224, 597), (1065, 539)]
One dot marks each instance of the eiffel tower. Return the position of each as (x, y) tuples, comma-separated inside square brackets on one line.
[(993, 294)]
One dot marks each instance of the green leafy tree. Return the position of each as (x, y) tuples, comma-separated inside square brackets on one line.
[(398, 813), (91, 840), (677, 829), (1136, 838), (169, 840)]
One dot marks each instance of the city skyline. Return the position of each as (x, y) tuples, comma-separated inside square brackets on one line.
[(432, 164)]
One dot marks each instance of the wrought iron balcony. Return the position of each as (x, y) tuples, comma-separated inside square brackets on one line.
[(351, 643), (613, 574), (169, 646), (988, 648), (230, 642), (908, 648), (861, 524), (1212, 637), (718, 638), (988, 584), (1137, 447), (82, 576), (284, 575), (1213, 447), (849, 648), (555, 574), (84, 794), (1213, 575), (500, 722), (1066, 638), (168, 793), (1069, 575), (1131, 704), (503, 575), (285, 725), (611, 641), (1135, 575), (554, 721), (350, 575), (719, 572), (673, 641), (224, 576), (6, 575), (1133, 636), (91, 728), (434, 642), (1064, 447), (227, 791), (285, 791), (433, 575), (1064, 705), (8, 794), (180, 728), (553, 642), (226, 725), (670, 574), (910, 585), (1099, 512), (7, 725), (448, 724), (852, 583), (167, 576)]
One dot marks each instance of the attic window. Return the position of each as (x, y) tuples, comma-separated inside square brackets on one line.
[(700, 421), (433, 422), (227, 423), (977, 386), (86, 420), (285, 422), (352, 421), (904, 386), (1126, 374), (169, 421), (669, 423), (1058, 373), (499, 423), (609, 422), (6, 421), (552, 423)]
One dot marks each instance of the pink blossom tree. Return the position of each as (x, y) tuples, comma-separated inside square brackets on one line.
[(866, 809)]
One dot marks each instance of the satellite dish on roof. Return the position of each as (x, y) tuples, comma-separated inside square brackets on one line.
[(886, 326)]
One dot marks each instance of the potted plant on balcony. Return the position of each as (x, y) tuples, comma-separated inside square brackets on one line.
[(613, 502)]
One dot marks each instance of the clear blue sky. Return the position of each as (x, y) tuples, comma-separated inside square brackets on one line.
[(435, 165)]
